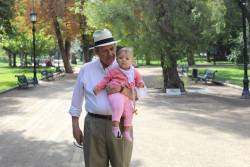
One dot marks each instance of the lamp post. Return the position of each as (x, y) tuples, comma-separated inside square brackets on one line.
[(33, 15), (245, 92)]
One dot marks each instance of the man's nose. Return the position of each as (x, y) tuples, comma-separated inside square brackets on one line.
[(110, 52)]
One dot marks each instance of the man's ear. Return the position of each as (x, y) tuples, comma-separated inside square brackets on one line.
[(95, 51)]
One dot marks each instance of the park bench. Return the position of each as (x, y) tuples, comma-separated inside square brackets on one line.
[(183, 68), (24, 82), (46, 75), (60, 70), (209, 75)]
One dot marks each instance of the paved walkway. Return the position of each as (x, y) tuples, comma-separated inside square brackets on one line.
[(208, 129)]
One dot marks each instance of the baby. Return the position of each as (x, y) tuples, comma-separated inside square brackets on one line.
[(125, 76)]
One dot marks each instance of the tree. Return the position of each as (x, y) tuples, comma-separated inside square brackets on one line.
[(6, 13), (170, 29), (85, 30), (63, 23)]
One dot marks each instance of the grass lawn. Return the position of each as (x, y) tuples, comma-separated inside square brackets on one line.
[(231, 75), (7, 75), (8, 79)]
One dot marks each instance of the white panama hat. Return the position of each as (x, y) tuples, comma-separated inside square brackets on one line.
[(103, 38)]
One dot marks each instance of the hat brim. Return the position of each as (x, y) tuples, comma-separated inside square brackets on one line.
[(105, 44)]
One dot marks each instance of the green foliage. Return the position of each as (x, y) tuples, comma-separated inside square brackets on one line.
[(6, 13), (44, 43), (22, 43), (235, 55)]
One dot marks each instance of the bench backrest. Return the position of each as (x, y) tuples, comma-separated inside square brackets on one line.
[(209, 74), (44, 72), (22, 81), (183, 67)]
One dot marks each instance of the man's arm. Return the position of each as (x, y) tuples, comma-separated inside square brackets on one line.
[(76, 108), (103, 83), (122, 89), (77, 133)]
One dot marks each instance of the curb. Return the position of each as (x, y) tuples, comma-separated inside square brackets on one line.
[(229, 85), (8, 90)]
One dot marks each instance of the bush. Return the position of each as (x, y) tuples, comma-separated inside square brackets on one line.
[(4, 59)]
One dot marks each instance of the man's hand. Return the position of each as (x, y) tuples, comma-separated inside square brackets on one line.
[(129, 93), (96, 90), (113, 89), (122, 89), (77, 133), (141, 85)]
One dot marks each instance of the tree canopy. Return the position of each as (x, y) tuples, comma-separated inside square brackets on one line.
[(167, 30)]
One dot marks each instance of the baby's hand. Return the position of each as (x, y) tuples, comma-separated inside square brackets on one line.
[(141, 85), (96, 90)]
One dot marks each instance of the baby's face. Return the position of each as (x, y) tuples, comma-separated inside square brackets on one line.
[(124, 60)]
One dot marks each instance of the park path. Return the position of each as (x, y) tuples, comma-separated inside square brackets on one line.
[(206, 129)]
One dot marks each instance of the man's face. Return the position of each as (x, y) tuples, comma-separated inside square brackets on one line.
[(106, 54)]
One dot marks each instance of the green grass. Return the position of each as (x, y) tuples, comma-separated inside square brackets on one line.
[(152, 62), (227, 71), (8, 79), (7, 75), (231, 75)]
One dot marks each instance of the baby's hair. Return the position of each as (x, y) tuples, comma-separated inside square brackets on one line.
[(126, 50)]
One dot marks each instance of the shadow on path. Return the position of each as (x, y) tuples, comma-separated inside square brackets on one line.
[(12, 102), (226, 114), (18, 151)]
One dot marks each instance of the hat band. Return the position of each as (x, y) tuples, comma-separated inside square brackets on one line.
[(107, 40)]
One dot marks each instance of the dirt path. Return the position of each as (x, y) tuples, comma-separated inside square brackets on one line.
[(210, 129)]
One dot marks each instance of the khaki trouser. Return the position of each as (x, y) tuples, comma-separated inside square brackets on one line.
[(101, 147)]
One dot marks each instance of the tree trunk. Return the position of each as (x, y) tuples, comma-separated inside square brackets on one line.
[(25, 60), (73, 59), (84, 37), (67, 56), (164, 73), (170, 73), (8, 51), (86, 55), (214, 59), (148, 59), (63, 49), (190, 58), (10, 59), (208, 56), (21, 58), (14, 59)]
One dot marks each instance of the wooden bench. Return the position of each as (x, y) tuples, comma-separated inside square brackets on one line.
[(209, 75), (24, 82), (46, 75)]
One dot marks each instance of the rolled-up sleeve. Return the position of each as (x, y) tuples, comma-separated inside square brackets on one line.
[(141, 92), (78, 95)]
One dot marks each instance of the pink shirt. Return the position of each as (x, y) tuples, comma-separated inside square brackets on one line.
[(116, 77)]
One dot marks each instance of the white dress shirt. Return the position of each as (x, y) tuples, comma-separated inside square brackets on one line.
[(90, 74)]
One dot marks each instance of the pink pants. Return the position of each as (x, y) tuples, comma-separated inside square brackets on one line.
[(121, 106)]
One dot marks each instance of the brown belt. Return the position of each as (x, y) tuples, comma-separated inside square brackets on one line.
[(109, 117)]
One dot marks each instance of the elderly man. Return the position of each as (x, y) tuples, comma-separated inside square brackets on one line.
[(99, 145)]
